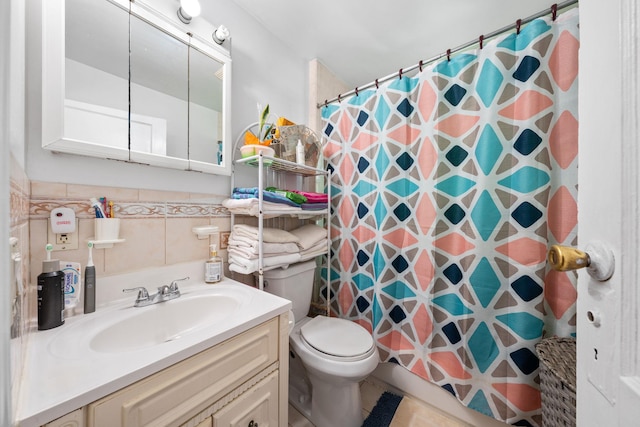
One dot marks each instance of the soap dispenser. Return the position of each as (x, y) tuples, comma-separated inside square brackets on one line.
[(50, 293), (213, 268)]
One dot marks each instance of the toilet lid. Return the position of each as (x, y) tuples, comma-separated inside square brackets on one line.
[(337, 337)]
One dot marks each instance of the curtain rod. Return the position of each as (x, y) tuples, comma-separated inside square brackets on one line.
[(517, 25)]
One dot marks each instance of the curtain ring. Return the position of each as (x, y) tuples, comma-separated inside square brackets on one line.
[(400, 74), (420, 65), (356, 90), (377, 87), (554, 11), (481, 41), (448, 54), (518, 25), (339, 97), (325, 103)]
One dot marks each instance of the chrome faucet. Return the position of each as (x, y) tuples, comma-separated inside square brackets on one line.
[(165, 293)]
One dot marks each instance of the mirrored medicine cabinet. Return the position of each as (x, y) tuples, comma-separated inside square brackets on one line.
[(123, 81)]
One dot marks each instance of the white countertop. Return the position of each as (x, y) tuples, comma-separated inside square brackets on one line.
[(62, 373)]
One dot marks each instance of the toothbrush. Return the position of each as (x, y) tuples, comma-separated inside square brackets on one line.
[(103, 202), (48, 248), (90, 260), (98, 207), (90, 283)]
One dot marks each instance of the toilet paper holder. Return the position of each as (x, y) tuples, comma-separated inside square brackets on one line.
[(597, 258)]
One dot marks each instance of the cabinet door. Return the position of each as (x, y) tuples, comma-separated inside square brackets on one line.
[(257, 407), (176, 394), (72, 419), (206, 423)]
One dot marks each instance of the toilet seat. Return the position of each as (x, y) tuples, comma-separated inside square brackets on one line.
[(337, 338)]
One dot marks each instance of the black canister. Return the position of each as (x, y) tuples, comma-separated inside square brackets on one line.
[(50, 295)]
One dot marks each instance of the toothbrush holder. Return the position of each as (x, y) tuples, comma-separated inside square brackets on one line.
[(107, 228)]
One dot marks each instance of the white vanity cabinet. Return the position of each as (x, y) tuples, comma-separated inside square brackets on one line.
[(241, 381)]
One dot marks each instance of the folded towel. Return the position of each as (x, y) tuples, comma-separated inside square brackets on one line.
[(318, 206), (319, 246), (269, 235), (245, 190), (313, 197), (248, 266), (311, 255), (266, 195), (248, 244), (308, 235), (242, 252), (294, 197), (249, 206)]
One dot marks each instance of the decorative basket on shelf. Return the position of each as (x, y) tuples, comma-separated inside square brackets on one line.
[(284, 145), (558, 381)]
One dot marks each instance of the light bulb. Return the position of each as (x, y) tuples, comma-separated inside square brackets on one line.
[(221, 34), (188, 9)]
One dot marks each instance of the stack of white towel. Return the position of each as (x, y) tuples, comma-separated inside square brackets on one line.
[(280, 248)]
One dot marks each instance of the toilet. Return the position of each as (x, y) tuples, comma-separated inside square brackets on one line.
[(328, 356)]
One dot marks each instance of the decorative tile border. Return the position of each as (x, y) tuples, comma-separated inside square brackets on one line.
[(19, 204), (129, 202), (140, 210), (41, 208), (196, 210)]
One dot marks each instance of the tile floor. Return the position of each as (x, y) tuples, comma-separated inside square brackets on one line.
[(410, 412)]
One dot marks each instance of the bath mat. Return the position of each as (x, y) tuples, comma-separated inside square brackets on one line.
[(382, 414)]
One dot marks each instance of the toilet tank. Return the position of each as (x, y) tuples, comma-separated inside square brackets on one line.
[(294, 283)]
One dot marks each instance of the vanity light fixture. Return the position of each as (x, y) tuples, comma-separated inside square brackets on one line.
[(188, 9), (220, 34)]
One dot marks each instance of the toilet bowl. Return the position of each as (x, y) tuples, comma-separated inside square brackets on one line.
[(336, 354), (328, 355)]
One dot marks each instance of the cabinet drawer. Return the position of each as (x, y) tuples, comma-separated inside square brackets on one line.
[(179, 392), (258, 405)]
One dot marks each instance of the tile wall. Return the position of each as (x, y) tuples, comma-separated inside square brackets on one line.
[(23, 300), (156, 226)]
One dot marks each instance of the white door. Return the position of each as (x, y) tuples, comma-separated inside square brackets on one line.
[(609, 179)]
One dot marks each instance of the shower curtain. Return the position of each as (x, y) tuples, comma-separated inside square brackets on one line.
[(448, 189)]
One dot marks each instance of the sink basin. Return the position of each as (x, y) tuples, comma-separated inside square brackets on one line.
[(120, 329), (163, 322)]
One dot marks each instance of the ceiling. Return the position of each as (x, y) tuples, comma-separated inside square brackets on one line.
[(361, 40)]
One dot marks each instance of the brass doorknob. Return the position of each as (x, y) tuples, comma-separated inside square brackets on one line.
[(597, 258), (565, 258)]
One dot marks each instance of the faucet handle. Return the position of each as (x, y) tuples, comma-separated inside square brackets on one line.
[(143, 294), (174, 284)]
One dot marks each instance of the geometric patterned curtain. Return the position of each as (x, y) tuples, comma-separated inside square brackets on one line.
[(448, 189)]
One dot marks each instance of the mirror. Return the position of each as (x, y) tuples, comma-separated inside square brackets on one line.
[(137, 87), (159, 85), (206, 76), (96, 73)]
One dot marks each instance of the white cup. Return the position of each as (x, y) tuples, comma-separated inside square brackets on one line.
[(107, 228)]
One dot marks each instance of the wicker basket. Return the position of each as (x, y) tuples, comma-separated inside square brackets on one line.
[(558, 381)]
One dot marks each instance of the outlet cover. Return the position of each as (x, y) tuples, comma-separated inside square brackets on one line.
[(63, 242)]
